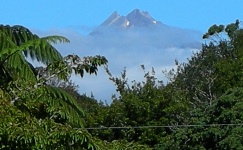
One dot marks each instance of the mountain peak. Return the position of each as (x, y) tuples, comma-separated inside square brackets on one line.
[(111, 19), (135, 18), (140, 18), (138, 12)]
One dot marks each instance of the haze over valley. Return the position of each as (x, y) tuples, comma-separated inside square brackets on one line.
[(127, 41)]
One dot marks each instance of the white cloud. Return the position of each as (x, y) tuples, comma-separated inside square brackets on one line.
[(130, 50)]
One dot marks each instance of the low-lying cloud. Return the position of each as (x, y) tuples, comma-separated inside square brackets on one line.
[(130, 49)]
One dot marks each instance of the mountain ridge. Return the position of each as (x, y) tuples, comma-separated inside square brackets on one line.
[(135, 18), (135, 21), (140, 28)]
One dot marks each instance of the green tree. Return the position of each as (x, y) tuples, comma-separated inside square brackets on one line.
[(218, 128), (213, 70), (216, 105), (142, 104), (35, 115)]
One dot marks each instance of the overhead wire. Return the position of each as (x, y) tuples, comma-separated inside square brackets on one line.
[(159, 126), (162, 126)]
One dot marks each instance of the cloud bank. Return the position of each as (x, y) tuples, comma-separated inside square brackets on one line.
[(130, 49)]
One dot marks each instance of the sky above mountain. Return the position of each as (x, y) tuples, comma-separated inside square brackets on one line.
[(76, 19), (46, 14)]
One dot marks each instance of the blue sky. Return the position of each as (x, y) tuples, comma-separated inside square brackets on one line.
[(68, 17), (49, 14)]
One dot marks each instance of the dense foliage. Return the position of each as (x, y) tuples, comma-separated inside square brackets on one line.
[(35, 115), (200, 108)]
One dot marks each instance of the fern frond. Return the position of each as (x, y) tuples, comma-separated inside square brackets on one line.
[(18, 40), (18, 67), (63, 104), (55, 39), (37, 48), (44, 52)]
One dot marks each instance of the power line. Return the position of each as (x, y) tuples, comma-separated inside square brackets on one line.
[(158, 126), (162, 126)]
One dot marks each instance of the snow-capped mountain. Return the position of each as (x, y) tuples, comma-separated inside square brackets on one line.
[(140, 27), (136, 18)]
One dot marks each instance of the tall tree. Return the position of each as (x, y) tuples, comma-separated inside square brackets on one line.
[(139, 107), (41, 116), (213, 84)]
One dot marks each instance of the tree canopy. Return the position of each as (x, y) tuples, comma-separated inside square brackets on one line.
[(200, 108), (35, 115)]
